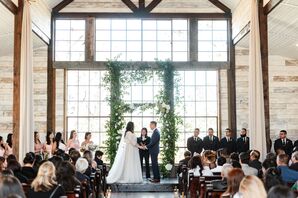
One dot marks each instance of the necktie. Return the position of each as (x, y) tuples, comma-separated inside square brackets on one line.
[(244, 139), (283, 142), (228, 139), (211, 139)]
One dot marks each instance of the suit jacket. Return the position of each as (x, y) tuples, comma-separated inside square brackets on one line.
[(296, 143), (194, 145), (144, 142), (288, 175), (211, 145), (181, 163), (230, 146), (153, 146), (288, 147), (242, 146)]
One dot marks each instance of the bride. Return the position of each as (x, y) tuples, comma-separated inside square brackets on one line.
[(127, 167)]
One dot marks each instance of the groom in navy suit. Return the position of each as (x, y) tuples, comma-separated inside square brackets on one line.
[(153, 147)]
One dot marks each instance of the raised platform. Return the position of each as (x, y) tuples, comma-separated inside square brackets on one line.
[(165, 185)]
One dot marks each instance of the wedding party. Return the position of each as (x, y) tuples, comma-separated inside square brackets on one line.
[(148, 99)]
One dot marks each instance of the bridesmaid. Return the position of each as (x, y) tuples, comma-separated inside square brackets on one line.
[(85, 144), (58, 143), (8, 145), (144, 140), (37, 144), (73, 141), (2, 147), (48, 145)]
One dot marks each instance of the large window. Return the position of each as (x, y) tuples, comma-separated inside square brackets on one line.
[(212, 40), (70, 40), (141, 40), (89, 111)]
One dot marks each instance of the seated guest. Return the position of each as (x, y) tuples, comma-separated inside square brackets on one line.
[(57, 161), (242, 142), (288, 175), (283, 143), (66, 176), (294, 165), (208, 160), (15, 167), (211, 142), (223, 153), (98, 157), (252, 186), (10, 186), (2, 164), (271, 155), (228, 142), (236, 164), (187, 157), (234, 178), (254, 161), (37, 162), (27, 169), (222, 184), (234, 157), (195, 143), (244, 160), (87, 142), (92, 164), (281, 191), (196, 166), (73, 141), (45, 184), (219, 163), (268, 163), (81, 167), (271, 178), (74, 156)]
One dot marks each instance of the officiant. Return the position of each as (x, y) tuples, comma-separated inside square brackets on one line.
[(195, 143), (144, 140)]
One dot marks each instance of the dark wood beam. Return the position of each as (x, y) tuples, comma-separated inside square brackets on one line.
[(220, 5), (90, 39), (263, 25), (51, 83), (141, 4), (271, 5), (242, 33), (16, 77), (130, 5), (79, 15), (152, 5), (231, 76), (61, 5), (193, 39), (10, 6), (40, 34)]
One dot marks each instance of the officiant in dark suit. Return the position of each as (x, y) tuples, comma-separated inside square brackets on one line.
[(154, 151), (283, 143), (228, 142), (243, 141), (195, 143), (211, 142), (144, 140)]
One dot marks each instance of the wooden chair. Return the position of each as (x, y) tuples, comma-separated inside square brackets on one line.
[(26, 188), (213, 193)]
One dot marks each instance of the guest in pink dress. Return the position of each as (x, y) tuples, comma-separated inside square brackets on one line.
[(37, 144), (48, 145), (2, 147), (8, 145), (73, 141)]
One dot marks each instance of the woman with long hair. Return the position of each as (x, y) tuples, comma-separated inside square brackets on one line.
[(58, 143), (45, 184), (252, 186), (196, 166), (73, 141), (37, 144), (48, 145), (87, 142), (144, 140), (2, 147), (66, 176), (234, 178), (10, 186), (8, 145)]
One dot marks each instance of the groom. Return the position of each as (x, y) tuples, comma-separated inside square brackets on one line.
[(153, 147)]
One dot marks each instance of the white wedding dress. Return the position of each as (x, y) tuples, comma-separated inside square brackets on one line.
[(127, 166)]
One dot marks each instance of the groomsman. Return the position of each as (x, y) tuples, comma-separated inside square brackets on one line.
[(195, 143), (283, 143), (211, 142), (243, 141), (228, 142)]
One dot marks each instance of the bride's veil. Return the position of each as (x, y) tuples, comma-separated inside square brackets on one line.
[(118, 165)]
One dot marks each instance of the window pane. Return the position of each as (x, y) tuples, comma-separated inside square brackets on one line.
[(62, 35), (118, 24), (134, 46), (149, 46), (219, 25), (72, 109), (77, 46), (77, 56), (72, 93), (164, 25), (103, 23), (134, 24), (212, 108), (62, 46), (179, 56), (134, 35), (119, 35), (134, 56), (205, 25), (205, 56), (118, 45), (179, 24), (103, 46), (83, 93), (94, 108), (180, 35), (102, 56), (73, 77), (94, 93), (220, 56), (205, 46), (149, 35), (164, 35), (77, 25), (103, 35), (77, 35), (62, 56), (211, 93), (189, 93), (179, 46), (63, 24), (164, 46), (149, 24), (205, 35)]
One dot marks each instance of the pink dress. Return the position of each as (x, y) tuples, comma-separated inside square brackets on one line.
[(2, 152), (38, 148), (48, 149), (73, 144), (8, 150)]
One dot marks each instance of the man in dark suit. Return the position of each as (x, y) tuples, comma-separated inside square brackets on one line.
[(211, 142), (187, 157), (228, 142), (283, 143), (153, 147), (242, 142), (195, 143)]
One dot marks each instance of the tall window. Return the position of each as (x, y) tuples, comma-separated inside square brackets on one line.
[(70, 40), (141, 39), (212, 40)]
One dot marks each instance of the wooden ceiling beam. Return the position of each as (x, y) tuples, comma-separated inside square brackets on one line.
[(130, 5), (61, 5), (220, 5), (141, 4), (271, 5), (10, 6), (152, 5)]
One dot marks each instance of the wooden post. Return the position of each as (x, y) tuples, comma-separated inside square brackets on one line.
[(90, 39), (51, 84), (263, 24), (193, 38), (16, 76)]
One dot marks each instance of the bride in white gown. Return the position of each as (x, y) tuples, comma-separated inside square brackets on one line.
[(127, 167)]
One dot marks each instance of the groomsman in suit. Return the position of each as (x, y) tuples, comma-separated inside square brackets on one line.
[(228, 142), (153, 147), (195, 143), (243, 141), (211, 142), (283, 143)]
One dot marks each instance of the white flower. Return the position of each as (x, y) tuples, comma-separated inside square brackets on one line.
[(169, 167)]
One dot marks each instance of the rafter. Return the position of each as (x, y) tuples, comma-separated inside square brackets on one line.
[(152, 5), (61, 5), (10, 6), (271, 5), (220, 5), (130, 5), (141, 4)]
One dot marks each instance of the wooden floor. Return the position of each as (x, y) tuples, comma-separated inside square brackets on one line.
[(142, 195)]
